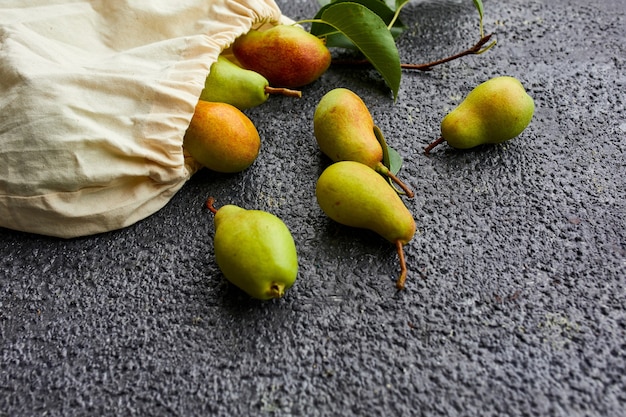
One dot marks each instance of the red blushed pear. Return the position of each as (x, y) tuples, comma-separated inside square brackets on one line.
[(221, 137), (287, 55)]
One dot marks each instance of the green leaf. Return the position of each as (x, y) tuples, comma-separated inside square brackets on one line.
[(391, 158), (334, 39), (395, 161), (479, 7), (367, 31), (481, 12)]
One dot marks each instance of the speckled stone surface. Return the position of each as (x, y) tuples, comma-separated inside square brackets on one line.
[(523, 245)]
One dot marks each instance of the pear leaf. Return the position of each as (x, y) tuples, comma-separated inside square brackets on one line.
[(395, 160), (391, 158), (479, 7), (368, 32), (383, 144), (339, 40)]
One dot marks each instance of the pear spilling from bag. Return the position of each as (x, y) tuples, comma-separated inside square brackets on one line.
[(287, 55), (344, 131), (493, 112), (221, 137), (254, 250), (353, 194), (228, 83)]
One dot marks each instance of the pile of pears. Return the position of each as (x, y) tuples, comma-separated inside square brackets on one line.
[(220, 136), (255, 249)]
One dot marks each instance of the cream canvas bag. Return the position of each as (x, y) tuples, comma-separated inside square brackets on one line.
[(95, 97)]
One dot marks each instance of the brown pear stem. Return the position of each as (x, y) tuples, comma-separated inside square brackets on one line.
[(476, 49), (403, 268), (434, 143), (283, 91), (473, 50), (409, 193), (209, 205)]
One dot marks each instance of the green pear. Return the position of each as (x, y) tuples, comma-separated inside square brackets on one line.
[(228, 83), (493, 112), (344, 131), (221, 137), (254, 250), (287, 55), (353, 194)]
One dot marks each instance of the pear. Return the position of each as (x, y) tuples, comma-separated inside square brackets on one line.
[(254, 250), (353, 194), (221, 137), (493, 112), (344, 131), (228, 83), (287, 55)]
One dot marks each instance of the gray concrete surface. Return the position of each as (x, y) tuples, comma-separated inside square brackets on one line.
[(523, 245)]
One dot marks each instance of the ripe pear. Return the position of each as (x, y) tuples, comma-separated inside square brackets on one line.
[(287, 55), (221, 137), (493, 112), (255, 250), (344, 131), (228, 83), (353, 194)]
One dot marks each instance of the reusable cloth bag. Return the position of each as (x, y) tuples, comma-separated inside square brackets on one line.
[(95, 97)]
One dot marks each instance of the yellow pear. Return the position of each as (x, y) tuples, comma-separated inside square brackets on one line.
[(353, 194), (493, 112), (344, 131), (255, 250)]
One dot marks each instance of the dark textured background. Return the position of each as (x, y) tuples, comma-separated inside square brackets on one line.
[(524, 247)]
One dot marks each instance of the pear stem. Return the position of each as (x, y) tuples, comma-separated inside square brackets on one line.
[(409, 193), (473, 50), (283, 91), (403, 269), (209, 205), (434, 143)]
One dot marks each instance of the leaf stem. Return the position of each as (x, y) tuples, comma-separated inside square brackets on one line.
[(396, 15), (473, 50)]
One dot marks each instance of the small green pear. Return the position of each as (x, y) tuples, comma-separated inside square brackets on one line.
[(353, 194), (344, 131), (254, 250), (228, 83), (493, 112), (287, 55), (221, 137)]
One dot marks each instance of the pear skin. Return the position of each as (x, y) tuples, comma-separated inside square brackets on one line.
[(228, 83), (255, 251), (493, 112), (353, 194), (221, 137), (287, 55), (344, 131)]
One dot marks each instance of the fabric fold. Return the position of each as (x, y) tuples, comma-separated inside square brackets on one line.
[(95, 97)]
